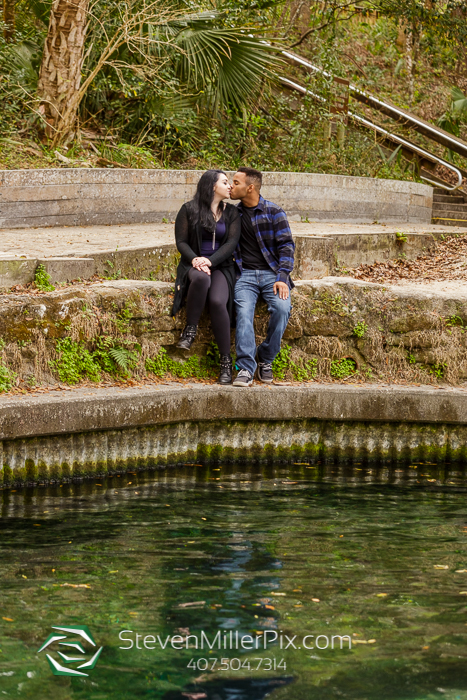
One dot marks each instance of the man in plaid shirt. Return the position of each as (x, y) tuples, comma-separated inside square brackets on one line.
[(265, 258)]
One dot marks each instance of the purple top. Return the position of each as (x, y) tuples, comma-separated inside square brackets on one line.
[(206, 241)]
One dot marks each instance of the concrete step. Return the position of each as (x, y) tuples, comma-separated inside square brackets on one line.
[(455, 199), (452, 214), (14, 270), (448, 206), (316, 256), (441, 190), (450, 219)]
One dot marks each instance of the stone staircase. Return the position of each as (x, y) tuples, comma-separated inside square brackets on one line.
[(449, 209)]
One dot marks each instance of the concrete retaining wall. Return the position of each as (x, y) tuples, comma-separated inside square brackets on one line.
[(72, 197), (315, 257), (87, 433)]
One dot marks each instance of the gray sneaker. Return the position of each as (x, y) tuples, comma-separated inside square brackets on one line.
[(265, 372), (243, 378)]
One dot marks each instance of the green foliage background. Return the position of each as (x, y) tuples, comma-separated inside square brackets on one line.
[(214, 103)]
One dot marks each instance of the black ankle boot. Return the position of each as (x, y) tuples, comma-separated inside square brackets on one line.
[(225, 375), (187, 337)]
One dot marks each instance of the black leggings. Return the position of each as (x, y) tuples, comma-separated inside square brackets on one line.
[(215, 289)]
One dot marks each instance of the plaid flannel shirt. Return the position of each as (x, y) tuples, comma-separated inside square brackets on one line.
[(274, 238)]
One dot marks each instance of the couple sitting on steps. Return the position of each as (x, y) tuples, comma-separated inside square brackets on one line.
[(230, 255)]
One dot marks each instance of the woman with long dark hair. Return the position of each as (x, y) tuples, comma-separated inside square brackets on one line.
[(207, 231)]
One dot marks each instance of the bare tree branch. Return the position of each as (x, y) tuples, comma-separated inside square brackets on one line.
[(326, 24)]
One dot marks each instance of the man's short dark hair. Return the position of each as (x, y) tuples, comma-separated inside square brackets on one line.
[(253, 177)]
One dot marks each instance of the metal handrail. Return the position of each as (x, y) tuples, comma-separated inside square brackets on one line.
[(394, 137), (432, 132)]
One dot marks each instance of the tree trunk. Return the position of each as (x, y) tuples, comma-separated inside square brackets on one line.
[(9, 19), (60, 73)]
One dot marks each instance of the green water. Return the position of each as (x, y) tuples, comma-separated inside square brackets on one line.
[(241, 550)]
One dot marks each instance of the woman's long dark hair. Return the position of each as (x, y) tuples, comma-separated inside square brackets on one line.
[(200, 205)]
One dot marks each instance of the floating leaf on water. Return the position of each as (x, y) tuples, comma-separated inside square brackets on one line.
[(381, 595), (460, 571), (75, 585), (462, 592), (8, 619), (276, 593), (189, 605), (440, 566), (315, 600)]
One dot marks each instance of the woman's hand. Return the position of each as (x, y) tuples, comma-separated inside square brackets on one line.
[(202, 264)]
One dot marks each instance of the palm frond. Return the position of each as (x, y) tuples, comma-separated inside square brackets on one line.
[(227, 64), (459, 101)]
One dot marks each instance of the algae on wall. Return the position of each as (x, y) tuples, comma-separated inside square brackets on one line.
[(60, 458)]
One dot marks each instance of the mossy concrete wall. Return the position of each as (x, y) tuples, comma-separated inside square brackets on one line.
[(85, 196), (85, 433), (403, 333)]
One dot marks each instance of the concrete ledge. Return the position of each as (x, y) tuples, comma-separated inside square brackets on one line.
[(316, 257), (67, 269), (86, 196), (81, 410), (89, 433)]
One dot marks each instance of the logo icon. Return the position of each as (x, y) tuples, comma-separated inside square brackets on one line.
[(73, 646)]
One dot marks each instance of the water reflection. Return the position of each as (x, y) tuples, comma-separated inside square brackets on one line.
[(322, 550)]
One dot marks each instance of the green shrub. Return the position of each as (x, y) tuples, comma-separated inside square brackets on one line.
[(281, 363), (42, 279), (305, 371), (113, 357), (194, 366), (75, 362), (7, 378), (360, 329), (341, 369)]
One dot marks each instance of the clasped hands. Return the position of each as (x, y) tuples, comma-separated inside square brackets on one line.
[(202, 264)]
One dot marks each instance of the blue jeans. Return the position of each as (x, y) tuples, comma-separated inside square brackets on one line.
[(249, 287)]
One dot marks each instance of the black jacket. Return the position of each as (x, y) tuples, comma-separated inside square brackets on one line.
[(188, 235)]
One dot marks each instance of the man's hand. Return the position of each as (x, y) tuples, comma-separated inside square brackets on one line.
[(282, 288)]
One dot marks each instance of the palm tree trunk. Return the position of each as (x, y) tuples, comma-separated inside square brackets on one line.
[(60, 73), (9, 19)]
